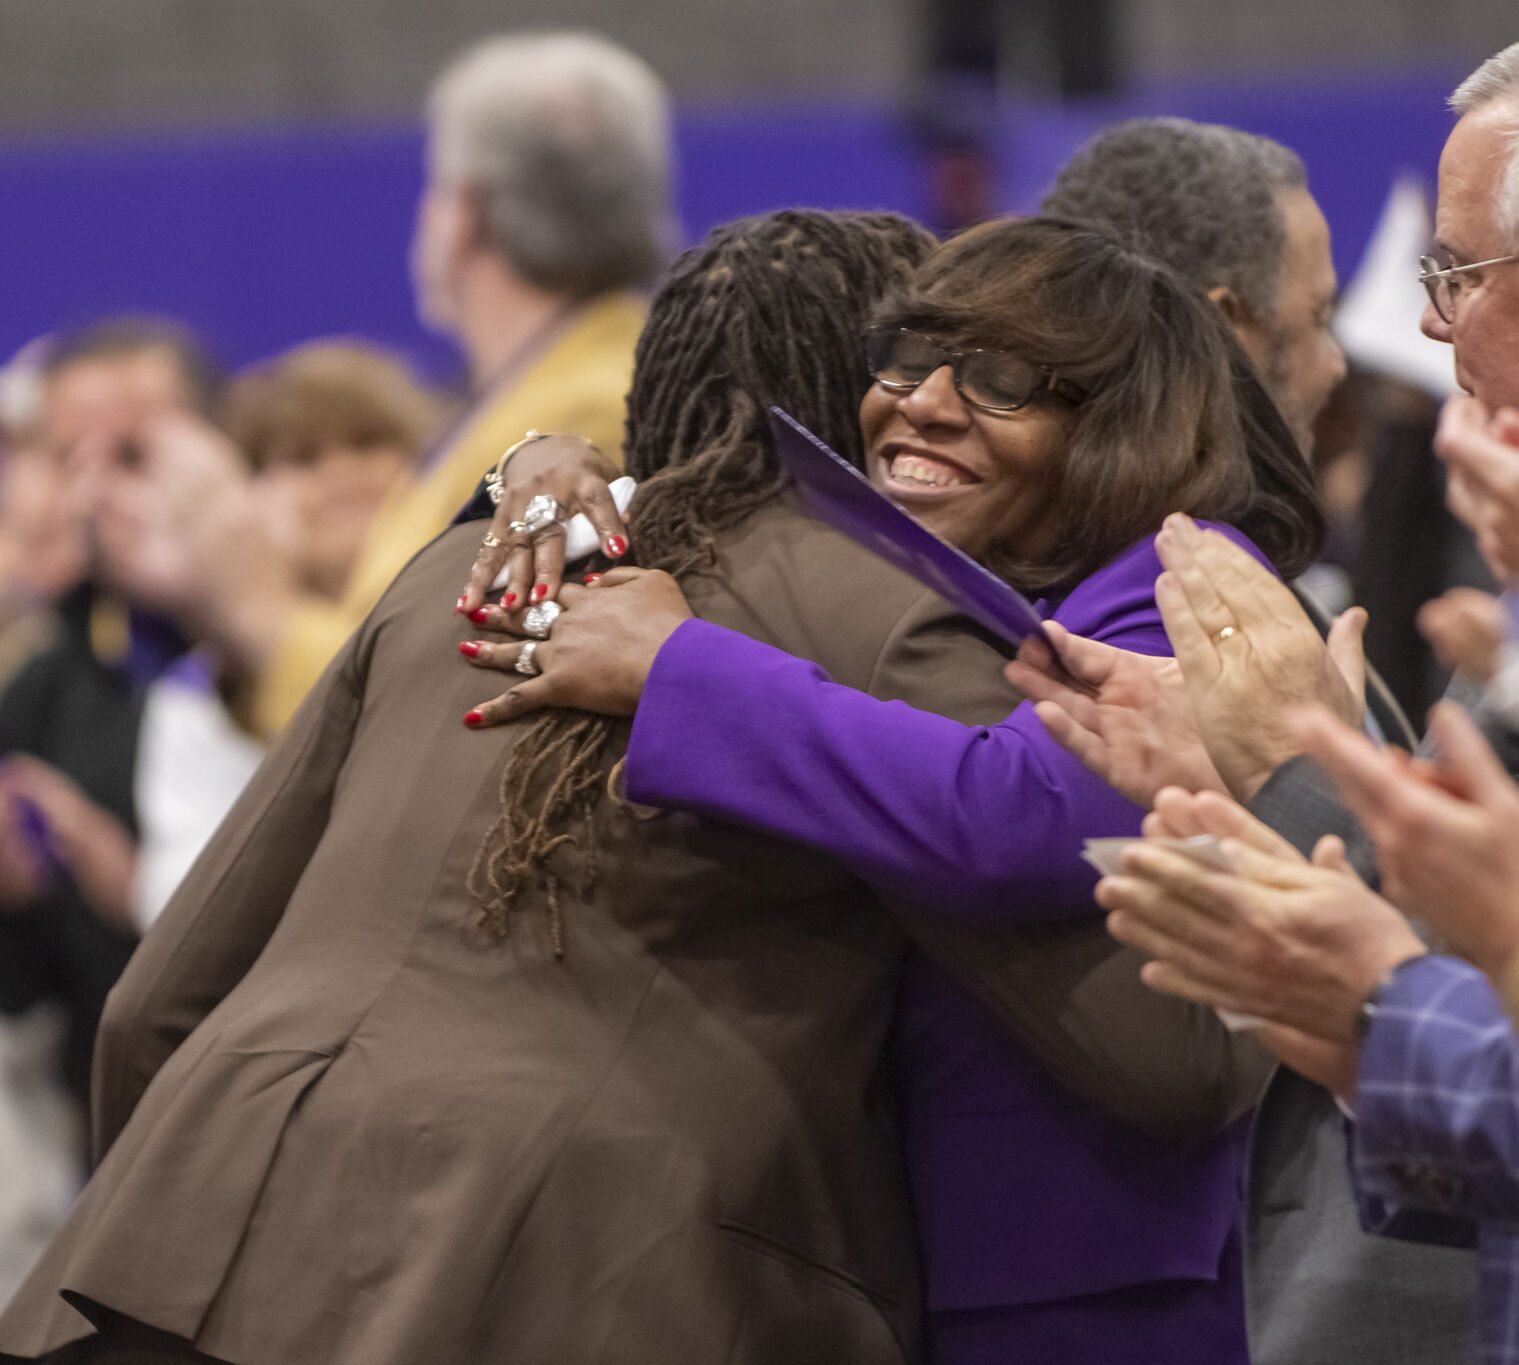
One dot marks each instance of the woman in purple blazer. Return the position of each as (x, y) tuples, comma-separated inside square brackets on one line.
[(1043, 408)]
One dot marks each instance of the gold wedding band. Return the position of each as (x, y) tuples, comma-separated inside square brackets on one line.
[(491, 540)]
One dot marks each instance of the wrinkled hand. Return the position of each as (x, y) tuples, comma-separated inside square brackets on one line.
[(575, 473), (1446, 830), (1466, 628), (1242, 687), (600, 652), (90, 842), (1481, 455), (1298, 944), (1135, 732)]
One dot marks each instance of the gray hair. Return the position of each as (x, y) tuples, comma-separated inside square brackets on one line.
[(1202, 197), (1498, 79), (565, 138)]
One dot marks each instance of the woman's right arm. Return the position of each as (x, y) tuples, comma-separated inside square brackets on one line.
[(230, 903)]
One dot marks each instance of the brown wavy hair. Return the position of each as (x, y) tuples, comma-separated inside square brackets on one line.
[(765, 311), (1174, 419)]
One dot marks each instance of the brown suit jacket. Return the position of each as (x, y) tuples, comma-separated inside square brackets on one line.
[(341, 1125)]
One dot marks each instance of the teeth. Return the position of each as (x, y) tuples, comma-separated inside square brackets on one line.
[(929, 473)]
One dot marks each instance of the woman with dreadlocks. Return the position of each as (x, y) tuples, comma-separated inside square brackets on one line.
[(442, 1053), (1043, 397)]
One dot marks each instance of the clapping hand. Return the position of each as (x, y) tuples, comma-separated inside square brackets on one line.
[(1134, 729), (1481, 454), (1446, 830), (1292, 942), (1215, 716)]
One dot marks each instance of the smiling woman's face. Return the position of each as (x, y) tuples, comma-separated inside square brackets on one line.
[(978, 479)]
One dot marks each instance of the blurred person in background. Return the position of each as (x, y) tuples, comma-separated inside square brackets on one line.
[(69, 719), (546, 205), (39, 1124), (41, 545), (327, 430), (1233, 213)]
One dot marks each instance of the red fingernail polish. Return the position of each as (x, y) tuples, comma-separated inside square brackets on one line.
[(592, 578), (478, 615), (616, 546), (469, 648), (459, 605), (539, 593), (508, 601), (473, 717)]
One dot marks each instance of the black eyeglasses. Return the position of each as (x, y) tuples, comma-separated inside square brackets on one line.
[(901, 359)]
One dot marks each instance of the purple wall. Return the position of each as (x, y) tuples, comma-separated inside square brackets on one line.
[(262, 239)]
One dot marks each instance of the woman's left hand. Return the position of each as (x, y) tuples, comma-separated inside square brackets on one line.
[(599, 650)]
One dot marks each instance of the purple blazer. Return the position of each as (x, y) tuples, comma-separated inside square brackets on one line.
[(1049, 1231)]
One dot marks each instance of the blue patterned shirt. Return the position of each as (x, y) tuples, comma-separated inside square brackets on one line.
[(1435, 1144)]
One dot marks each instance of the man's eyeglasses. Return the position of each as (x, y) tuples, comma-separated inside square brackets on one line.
[(901, 359), (1442, 286)]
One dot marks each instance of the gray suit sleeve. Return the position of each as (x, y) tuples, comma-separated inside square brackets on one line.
[(1299, 802)]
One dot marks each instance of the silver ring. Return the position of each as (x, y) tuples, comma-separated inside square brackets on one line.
[(539, 621), (542, 512), (526, 664), (1224, 634)]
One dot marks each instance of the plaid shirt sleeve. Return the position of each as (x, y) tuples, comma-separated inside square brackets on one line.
[(1437, 1100), (1435, 1143)]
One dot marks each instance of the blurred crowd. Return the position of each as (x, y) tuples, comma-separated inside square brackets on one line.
[(136, 482), (182, 552)]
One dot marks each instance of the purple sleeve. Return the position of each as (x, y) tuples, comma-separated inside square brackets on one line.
[(982, 821), (1437, 1100)]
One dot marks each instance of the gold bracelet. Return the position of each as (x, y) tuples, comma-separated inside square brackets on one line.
[(495, 478)]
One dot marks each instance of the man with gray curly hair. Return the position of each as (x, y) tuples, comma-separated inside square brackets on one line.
[(1232, 212)]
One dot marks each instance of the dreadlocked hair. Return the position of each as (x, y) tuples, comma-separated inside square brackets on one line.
[(767, 311)]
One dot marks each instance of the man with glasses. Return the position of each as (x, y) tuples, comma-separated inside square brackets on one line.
[(1474, 305)]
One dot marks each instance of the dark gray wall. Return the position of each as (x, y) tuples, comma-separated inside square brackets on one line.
[(1171, 37), (88, 63)]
